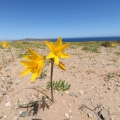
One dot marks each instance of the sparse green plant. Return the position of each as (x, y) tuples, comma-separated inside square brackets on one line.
[(43, 74), (117, 53), (23, 54), (110, 75), (60, 85), (91, 49), (108, 44), (115, 59)]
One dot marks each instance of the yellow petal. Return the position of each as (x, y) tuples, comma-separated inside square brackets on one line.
[(39, 72), (34, 76), (27, 63), (50, 55), (32, 52), (29, 57), (61, 48), (59, 42), (25, 72), (56, 60), (64, 55), (40, 63), (50, 45), (62, 66)]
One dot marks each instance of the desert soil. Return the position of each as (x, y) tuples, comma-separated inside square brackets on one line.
[(92, 89)]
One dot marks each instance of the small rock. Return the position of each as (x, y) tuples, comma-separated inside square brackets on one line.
[(66, 92), (69, 105), (67, 116), (105, 114), (5, 116), (20, 112), (90, 115), (73, 94), (8, 104), (15, 118), (109, 88), (1, 117), (81, 92), (23, 114), (97, 90), (74, 101)]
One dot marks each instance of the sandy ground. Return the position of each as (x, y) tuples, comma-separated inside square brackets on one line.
[(91, 91)]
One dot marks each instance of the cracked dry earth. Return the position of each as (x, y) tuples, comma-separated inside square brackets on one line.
[(91, 91)]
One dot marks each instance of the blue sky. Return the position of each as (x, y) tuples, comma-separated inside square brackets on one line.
[(21, 19)]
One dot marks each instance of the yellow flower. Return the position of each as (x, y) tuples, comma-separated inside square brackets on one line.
[(112, 44), (56, 51), (5, 44), (34, 64)]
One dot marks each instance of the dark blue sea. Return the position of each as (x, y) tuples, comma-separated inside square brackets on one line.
[(87, 39)]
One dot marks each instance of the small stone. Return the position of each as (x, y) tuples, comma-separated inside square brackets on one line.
[(5, 116), (74, 101), (15, 118), (90, 115), (66, 92), (20, 112), (97, 90), (67, 116), (104, 113), (81, 92), (109, 88), (23, 114), (8, 104), (69, 105), (1, 117), (73, 94), (17, 82)]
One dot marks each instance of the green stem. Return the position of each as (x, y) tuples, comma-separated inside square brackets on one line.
[(52, 62)]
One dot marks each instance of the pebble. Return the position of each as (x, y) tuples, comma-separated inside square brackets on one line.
[(69, 105), (73, 94), (66, 92), (8, 104), (23, 114), (15, 118), (20, 112), (104, 113), (81, 92), (5, 116), (67, 116), (90, 115)]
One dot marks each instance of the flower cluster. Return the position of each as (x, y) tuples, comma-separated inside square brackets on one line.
[(5, 44), (34, 62)]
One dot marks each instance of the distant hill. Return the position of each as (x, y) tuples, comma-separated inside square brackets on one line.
[(32, 39)]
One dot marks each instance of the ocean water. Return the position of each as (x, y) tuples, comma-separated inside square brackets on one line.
[(87, 39)]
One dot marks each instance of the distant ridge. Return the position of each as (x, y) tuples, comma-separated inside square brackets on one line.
[(32, 39)]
